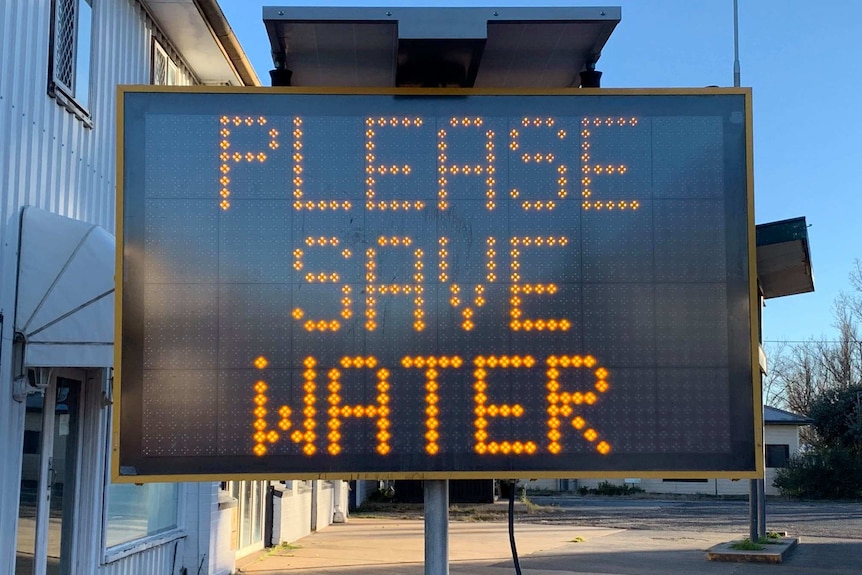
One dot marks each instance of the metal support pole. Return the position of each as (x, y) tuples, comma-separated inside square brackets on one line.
[(753, 534), (761, 507), (736, 80), (437, 527)]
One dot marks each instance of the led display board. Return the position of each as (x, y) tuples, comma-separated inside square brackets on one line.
[(430, 284)]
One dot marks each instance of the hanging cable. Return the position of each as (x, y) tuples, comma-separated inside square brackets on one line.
[(512, 484)]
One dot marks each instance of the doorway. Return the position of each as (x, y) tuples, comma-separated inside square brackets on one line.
[(49, 470), (250, 515)]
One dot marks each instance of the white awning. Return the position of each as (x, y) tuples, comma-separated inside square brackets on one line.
[(65, 307)]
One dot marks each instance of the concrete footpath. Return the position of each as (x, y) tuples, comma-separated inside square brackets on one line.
[(392, 546)]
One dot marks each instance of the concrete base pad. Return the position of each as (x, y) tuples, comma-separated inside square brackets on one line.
[(771, 552)]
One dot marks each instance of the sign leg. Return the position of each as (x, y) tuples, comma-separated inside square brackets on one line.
[(753, 533), (761, 507), (437, 527)]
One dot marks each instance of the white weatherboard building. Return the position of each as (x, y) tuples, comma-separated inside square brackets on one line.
[(781, 439), (60, 63)]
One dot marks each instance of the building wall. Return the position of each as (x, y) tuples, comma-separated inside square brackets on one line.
[(780, 435), (154, 560), (221, 544), (773, 434), (362, 489), (291, 502), (710, 487), (51, 159), (548, 484), (293, 508), (325, 504)]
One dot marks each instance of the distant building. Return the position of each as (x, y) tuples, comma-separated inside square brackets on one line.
[(781, 436), (59, 512)]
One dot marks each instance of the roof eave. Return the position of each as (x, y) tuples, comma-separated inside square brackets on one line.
[(784, 258), (222, 31), (199, 31)]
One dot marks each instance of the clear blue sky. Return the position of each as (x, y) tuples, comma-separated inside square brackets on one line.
[(801, 58)]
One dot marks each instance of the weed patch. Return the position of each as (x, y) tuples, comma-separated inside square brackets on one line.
[(747, 545)]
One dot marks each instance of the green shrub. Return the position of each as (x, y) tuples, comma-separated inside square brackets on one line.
[(838, 418), (608, 488), (822, 473)]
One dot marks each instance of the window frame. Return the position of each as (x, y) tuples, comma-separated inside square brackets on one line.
[(123, 550), (113, 553), (160, 50), (157, 51), (57, 89)]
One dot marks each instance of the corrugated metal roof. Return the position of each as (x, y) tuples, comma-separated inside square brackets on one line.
[(775, 416)]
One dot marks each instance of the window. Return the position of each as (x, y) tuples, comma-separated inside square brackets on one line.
[(777, 455), (71, 35), (164, 71), (31, 441), (137, 511), (685, 480)]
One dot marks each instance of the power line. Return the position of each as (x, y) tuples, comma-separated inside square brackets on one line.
[(812, 341)]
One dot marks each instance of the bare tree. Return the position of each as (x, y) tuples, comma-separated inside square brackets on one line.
[(804, 376), (774, 389), (854, 300), (802, 372)]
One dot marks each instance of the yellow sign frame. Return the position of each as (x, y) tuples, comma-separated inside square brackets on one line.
[(756, 389)]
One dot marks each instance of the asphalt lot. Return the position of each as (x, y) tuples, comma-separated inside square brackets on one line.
[(557, 535), (799, 518), (394, 546)]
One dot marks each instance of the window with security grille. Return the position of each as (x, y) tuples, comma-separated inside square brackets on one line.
[(165, 71), (160, 65), (70, 53)]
